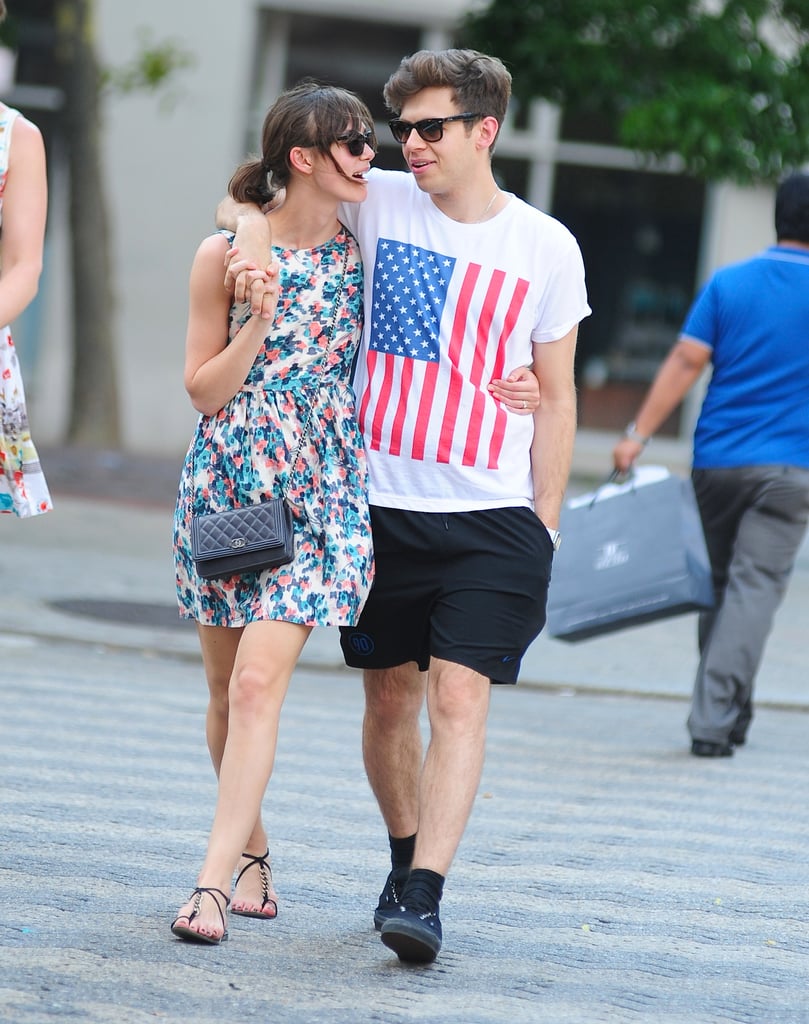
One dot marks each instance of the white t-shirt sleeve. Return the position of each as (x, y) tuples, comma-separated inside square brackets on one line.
[(388, 183), (563, 302)]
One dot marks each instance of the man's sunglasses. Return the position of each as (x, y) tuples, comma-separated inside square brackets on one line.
[(431, 129), (355, 142)]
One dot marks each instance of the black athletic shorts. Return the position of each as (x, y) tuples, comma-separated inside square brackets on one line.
[(468, 587)]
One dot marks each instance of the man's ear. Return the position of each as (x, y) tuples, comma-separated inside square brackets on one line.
[(488, 128), (300, 158)]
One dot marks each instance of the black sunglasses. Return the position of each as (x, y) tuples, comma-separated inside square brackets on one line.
[(355, 142), (431, 129)]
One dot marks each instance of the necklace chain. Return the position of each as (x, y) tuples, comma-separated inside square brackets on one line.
[(488, 207)]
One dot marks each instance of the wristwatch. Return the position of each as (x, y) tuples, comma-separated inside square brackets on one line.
[(556, 537), (631, 433)]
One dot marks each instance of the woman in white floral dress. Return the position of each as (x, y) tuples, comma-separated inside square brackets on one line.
[(23, 207), (254, 381)]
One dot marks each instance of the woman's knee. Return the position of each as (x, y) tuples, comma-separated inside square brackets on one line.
[(252, 687)]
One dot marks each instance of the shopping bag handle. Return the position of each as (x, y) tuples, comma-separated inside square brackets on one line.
[(616, 476)]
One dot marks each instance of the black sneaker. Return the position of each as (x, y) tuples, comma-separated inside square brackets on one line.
[(390, 896), (414, 937)]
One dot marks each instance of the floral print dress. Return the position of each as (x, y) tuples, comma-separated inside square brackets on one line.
[(23, 489), (244, 453)]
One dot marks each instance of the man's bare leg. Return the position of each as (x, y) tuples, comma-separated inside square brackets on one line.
[(391, 743), (392, 751), (458, 705)]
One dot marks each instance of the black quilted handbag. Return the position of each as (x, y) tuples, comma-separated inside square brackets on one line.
[(243, 539), (259, 536)]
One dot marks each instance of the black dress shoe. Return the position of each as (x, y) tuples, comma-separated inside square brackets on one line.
[(705, 748)]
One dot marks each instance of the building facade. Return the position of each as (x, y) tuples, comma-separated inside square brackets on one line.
[(648, 236)]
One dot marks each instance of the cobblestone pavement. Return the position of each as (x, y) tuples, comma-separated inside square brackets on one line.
[(605, 876)]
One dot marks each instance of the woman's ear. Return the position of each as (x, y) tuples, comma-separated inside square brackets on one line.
[(300, 159)]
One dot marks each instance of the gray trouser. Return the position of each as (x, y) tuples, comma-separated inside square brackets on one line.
[(754, 519)]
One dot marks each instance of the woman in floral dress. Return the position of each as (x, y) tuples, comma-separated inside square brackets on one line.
[(23, 206), (254, 381)]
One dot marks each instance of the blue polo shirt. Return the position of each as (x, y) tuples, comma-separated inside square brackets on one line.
[(754, 316)]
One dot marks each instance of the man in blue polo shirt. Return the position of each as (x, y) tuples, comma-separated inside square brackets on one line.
[(751, 456)]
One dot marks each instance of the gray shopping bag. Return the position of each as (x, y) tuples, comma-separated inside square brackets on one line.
[(631, 554)]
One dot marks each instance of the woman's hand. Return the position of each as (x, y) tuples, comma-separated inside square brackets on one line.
[(519, 392)]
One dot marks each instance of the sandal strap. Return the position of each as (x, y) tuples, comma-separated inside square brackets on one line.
[(201, 891), (263, 864)]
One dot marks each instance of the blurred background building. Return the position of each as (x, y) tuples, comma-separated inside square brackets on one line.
[(649, 235)]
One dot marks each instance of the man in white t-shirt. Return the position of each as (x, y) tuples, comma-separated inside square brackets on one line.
[(463, 283)]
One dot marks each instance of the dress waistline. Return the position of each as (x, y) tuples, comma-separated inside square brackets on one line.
[(296, 387)]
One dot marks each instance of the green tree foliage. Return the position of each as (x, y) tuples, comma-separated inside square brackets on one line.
[(722, 83), (152, 69)]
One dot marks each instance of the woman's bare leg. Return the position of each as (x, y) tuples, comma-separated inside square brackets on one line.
[(265, 659), (219, 646)]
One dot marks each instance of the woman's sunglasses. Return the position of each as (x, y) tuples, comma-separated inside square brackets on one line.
[(355, 142), (431, 129)]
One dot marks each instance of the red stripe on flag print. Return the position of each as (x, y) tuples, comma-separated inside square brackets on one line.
[(423, 415), (470, 454), (455, 348), (499, 431)]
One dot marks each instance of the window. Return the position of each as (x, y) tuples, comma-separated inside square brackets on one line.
[(639, 233), (356, 54)]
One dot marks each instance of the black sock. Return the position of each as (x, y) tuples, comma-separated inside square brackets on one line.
[(401, 851), (423, 890)]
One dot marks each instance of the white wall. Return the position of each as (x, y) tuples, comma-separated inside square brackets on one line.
[(739, 222), (167, 171)]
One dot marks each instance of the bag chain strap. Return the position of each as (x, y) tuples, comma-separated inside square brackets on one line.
[(332, 325)]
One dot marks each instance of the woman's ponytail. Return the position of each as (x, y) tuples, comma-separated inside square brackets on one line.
[(250, 184)]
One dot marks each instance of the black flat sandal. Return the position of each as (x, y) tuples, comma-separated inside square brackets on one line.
[(186, 932), (266, 878)]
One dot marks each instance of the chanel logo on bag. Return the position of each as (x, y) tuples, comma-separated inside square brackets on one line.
[(238, 542)]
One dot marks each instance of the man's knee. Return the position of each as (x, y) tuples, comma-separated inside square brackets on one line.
[(394, 692), (458, 696)]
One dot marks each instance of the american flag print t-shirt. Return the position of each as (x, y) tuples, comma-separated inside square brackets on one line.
[(448, 308)]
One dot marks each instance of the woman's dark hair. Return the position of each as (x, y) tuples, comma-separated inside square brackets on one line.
[(792, 208), (309, 115)]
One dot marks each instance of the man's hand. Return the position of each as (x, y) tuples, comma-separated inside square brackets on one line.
[(625, 453), (249, 263), (250, 283)]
